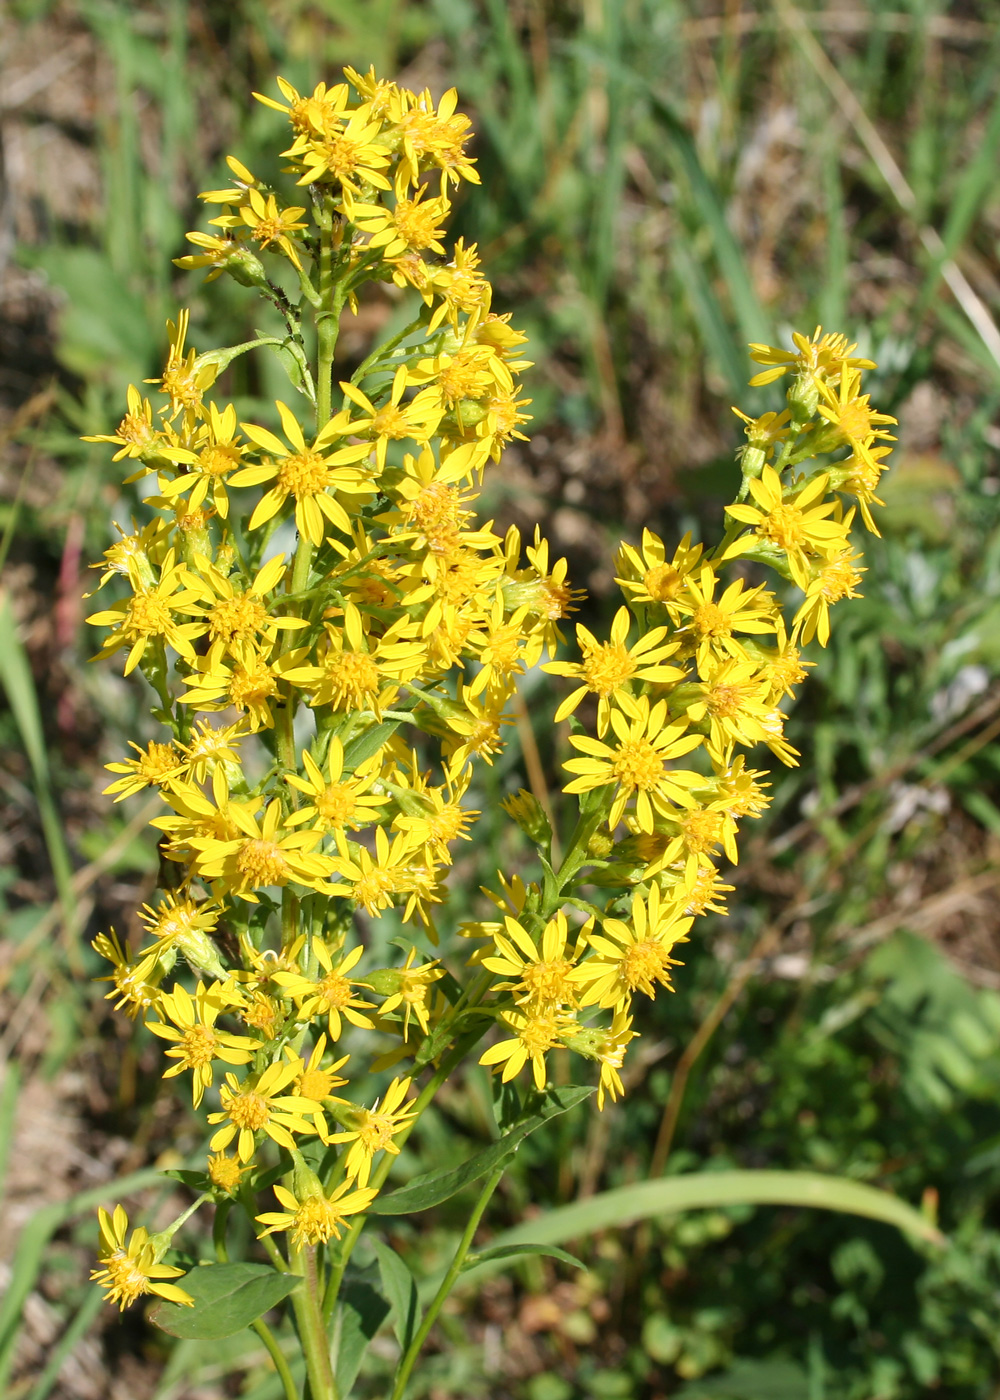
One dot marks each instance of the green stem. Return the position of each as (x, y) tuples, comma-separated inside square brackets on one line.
[(270, 1248), (259, 1326), (455, 1055), (331, 303), (447, 1284), (312, 1326), (301, 567), (382, 352), (576, 856), (219, 1230), (278, 1357)]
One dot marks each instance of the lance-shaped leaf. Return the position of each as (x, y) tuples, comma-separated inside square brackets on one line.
[(711, 1190), (435, 1187)]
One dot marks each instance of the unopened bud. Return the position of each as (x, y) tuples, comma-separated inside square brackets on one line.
[(803, 396), (527, 811), (245, 268)]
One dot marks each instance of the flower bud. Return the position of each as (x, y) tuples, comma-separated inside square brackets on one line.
[(753, 459), (305, 1182), (600, 845), (200, 952), (245, 268), (526, 810), (803, 396)]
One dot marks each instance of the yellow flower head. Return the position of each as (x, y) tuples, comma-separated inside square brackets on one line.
[(131, 1267)]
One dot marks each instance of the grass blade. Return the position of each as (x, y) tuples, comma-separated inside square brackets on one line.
[(704, 1190), (19, 685)]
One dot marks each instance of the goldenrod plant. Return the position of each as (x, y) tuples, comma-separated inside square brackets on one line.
[(335, 643)]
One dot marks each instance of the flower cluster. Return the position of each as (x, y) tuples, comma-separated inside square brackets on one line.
[(335, 642)]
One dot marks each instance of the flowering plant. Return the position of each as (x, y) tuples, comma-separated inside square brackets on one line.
[(335, 644)]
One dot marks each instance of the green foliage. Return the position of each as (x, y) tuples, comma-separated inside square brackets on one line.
[(227, 1298)]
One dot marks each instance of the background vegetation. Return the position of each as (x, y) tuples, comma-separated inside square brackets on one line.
[(661, 183)]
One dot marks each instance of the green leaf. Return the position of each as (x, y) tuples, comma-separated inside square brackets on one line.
[(400, 1288), (361, 1310), (703, 1190), (514, 1251), (197, 1181), (227, 1298), (368, 744), (435, 1187)]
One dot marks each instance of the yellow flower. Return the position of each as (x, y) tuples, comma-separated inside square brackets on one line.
[(711, 622), (834, 577), (649, 577), (136, 436), (375, 1130), (332, 993), (133, 1269), (476, 730), (851, 413), (412, 992), (226, 1172), (135, 984), (306, 474), (436, 818), (536, 1032), (609, 667), (149, 614), (157, 766), (461, 287), (184, 380), (210, 747), (707, 894), (796, 524), (313, 1219), (239, 620), (356, 671), (249, 685), (322, 111), (637, 762), (548, 593), (198, 1043), (393, 422), (635, 956), (735, 701), (261, 856), (313, 1081), (258, 1105), (504, 646), (541, 975), (821, 357), (610, 1051), (374, 880), (411, 226), (216, 252), (431, 136), (861, 473), (337, 803), (217, 453), (352, 155), (267, 222), (178, 917)]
